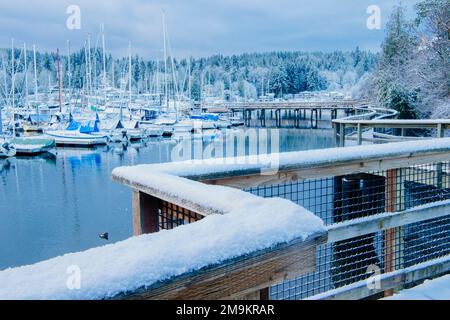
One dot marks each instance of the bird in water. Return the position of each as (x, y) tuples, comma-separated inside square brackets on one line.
[(104, 236)]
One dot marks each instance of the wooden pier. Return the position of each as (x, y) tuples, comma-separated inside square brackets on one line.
[(296, 110)]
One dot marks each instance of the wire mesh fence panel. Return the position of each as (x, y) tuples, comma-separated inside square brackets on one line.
[(171, 216), (343, 198)]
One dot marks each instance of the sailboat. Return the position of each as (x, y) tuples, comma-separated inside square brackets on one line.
[(33, 145), (79, 134)]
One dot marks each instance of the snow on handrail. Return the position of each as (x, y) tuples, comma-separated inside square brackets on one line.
[(250, 225), (276, 163)]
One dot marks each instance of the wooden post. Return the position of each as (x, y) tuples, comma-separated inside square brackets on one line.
[(145, 213), (314, 116), (389, 235), (342, 135), (335, 125), (440, 134), (359, 134), (263, 117), (440, 130), (278, 117)]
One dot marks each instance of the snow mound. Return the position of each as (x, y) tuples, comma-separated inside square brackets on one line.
[(437, 289), (250, 224)]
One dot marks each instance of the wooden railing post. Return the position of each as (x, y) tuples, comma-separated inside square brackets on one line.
[(389, 235), (359, 134), (145, 213), (440, 130), (335, 130), (342, 135), (440, 134)]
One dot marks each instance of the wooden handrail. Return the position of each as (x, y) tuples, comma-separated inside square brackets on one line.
[(238, 278), (395, 123), (340, 124), (246, 276)]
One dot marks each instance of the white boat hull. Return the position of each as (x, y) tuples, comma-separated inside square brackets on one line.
[(74, 138)]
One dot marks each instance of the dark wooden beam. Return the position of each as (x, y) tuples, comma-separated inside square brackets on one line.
[(240, 277)]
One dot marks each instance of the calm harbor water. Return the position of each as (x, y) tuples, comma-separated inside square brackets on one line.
[(51, 205)]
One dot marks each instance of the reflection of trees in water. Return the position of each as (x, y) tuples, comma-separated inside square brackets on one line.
[(5, 165)]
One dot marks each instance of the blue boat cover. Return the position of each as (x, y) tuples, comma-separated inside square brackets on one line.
[(205, 117), (90, 127), (86, 127), (73, 125)]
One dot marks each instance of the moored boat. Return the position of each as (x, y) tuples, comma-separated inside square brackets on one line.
[(77, 134), (7, 149), (33, 145)]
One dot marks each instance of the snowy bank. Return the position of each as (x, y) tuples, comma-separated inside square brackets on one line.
[(250, 224), (437, 289)]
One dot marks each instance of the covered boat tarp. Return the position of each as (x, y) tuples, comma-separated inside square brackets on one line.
[(73, 125), (86, 127), (205, 117), (90, 127), (35, 118), (112, 124), (37, 141)]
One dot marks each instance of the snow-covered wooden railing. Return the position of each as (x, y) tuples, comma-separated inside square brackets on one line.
[(339, 126), (239, 243), (200, 188)]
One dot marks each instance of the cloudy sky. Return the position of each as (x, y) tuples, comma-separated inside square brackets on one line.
[(197, 27)]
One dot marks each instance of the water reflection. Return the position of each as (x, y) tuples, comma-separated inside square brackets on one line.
[(55, 204)]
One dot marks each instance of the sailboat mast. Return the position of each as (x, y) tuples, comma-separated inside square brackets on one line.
[(35, 73), (59, 80), (35, 84), (104, 61), (112, 74), (157, 81), (89, 66), (26, 73), (13, 87), (129, 75), (166, 91), (86, 91), (189, 80), (69, 75)]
